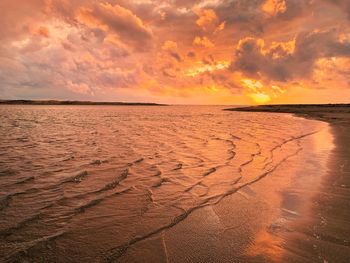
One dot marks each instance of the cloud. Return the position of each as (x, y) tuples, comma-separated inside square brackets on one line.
[(129, 28), (18, 18), (207, 19), (88, 48), (203, 41), (342, 4), (171, 48), (274, 7), (81, 88), (287, 61), (43, 31)]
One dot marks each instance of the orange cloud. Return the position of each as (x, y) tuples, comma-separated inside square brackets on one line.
[(220, 27), (119, 20), (172, 49), (207, 18), (203, 41), (43, 31), (274, 7), (200, 68), (249, 51), (169, 45)]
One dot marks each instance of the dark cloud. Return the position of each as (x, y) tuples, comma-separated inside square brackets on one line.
[(171, 48), (342, 4), (280, 64), (209, 60), (191, 54), (175, 55), (123, 22)]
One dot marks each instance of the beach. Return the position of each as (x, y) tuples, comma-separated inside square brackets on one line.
[(172, 184), (324, 235), (173, 131), (303, 219)]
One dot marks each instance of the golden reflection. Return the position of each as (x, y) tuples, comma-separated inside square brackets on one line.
[(268, 245), (323, 141)]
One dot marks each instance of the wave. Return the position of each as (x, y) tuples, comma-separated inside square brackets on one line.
[(115, 253), (75, 178), (114, 183), (4, 202), (210, 171), (94, 202), (24, 247), (178, 167), (19, 225), (7, 172), (25, 180), (96, 162)]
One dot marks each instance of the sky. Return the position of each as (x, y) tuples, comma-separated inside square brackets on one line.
[(176, 51)]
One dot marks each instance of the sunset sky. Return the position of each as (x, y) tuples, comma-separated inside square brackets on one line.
[(176, 51)]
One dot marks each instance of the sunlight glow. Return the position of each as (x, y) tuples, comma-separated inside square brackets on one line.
[(207, 68), (260, 98)]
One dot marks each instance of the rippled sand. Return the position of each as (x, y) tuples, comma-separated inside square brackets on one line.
[(152, 184)]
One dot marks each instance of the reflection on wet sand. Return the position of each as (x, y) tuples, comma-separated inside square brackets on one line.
[(268, 246), (298, 185), (320, 231)]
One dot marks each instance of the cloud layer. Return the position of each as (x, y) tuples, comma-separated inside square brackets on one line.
[(210, 51)]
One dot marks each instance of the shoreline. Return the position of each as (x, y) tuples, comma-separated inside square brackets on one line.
[(277, 219), (325, 112), (327, 230), (77, 103)]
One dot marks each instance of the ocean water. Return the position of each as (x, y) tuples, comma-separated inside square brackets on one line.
[(85, 183)]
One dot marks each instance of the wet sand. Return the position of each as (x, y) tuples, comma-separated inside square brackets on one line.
[(299, 213), (324, 235)]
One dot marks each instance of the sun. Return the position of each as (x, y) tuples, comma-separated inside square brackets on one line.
[(260, 98)]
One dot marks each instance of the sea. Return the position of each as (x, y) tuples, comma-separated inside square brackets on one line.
[(86, 183)]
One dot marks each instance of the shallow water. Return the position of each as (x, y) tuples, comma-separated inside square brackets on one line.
[(86, 182)]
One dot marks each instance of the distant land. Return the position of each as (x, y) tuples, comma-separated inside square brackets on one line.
[(326, 112), (290, 108), (76, 102)]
